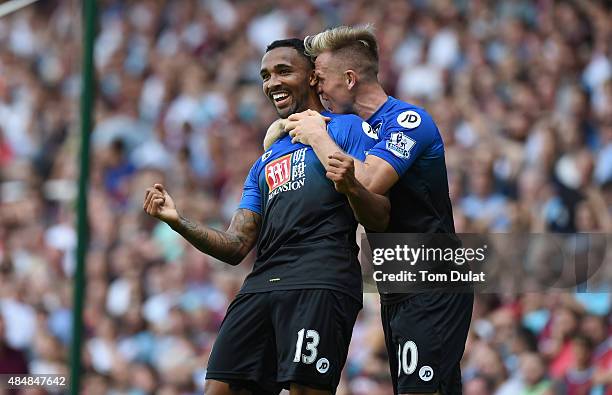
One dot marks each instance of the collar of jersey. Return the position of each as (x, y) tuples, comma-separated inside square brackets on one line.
[(283, 146)]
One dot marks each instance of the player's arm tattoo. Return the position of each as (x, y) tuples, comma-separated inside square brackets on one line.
[(230, 246)]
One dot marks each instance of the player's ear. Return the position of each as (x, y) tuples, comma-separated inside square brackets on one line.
[(350, 78), (313, 80)]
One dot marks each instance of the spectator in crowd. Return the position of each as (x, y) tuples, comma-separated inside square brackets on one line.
[(11, 360), (578, 379)]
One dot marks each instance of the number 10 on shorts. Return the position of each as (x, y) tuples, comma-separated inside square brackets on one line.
[(402, 358), (312, 341)]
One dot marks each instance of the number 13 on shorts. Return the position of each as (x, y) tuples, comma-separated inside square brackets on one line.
[(312, 341)]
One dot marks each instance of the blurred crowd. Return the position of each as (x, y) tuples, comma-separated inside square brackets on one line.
[(521, 91)]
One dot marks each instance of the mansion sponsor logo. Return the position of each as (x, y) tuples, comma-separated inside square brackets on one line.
[(286, 173)]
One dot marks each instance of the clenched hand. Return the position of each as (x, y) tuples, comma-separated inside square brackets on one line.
[(275, 131), (159, 204), (304, 127), (341, 170)]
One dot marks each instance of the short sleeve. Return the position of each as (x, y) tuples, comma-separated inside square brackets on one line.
[(405, 138), (251, 194)]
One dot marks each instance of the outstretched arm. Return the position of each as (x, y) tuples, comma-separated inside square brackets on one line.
[(230, 246)]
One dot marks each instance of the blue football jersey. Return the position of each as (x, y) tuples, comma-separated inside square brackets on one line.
[(410, 142), (307, 238)]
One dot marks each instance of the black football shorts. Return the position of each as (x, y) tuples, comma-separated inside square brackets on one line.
[(425, 337), (268, 340)]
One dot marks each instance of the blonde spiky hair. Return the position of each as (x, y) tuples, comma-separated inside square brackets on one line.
[(357, 45), (340, 37)]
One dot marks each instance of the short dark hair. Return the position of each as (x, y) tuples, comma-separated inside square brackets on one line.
[(294, 43)]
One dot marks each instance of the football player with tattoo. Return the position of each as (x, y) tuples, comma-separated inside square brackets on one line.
[(292, 321)]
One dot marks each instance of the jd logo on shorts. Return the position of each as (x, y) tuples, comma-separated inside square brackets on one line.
[(409, 119), (322, 365), (426, 373)]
